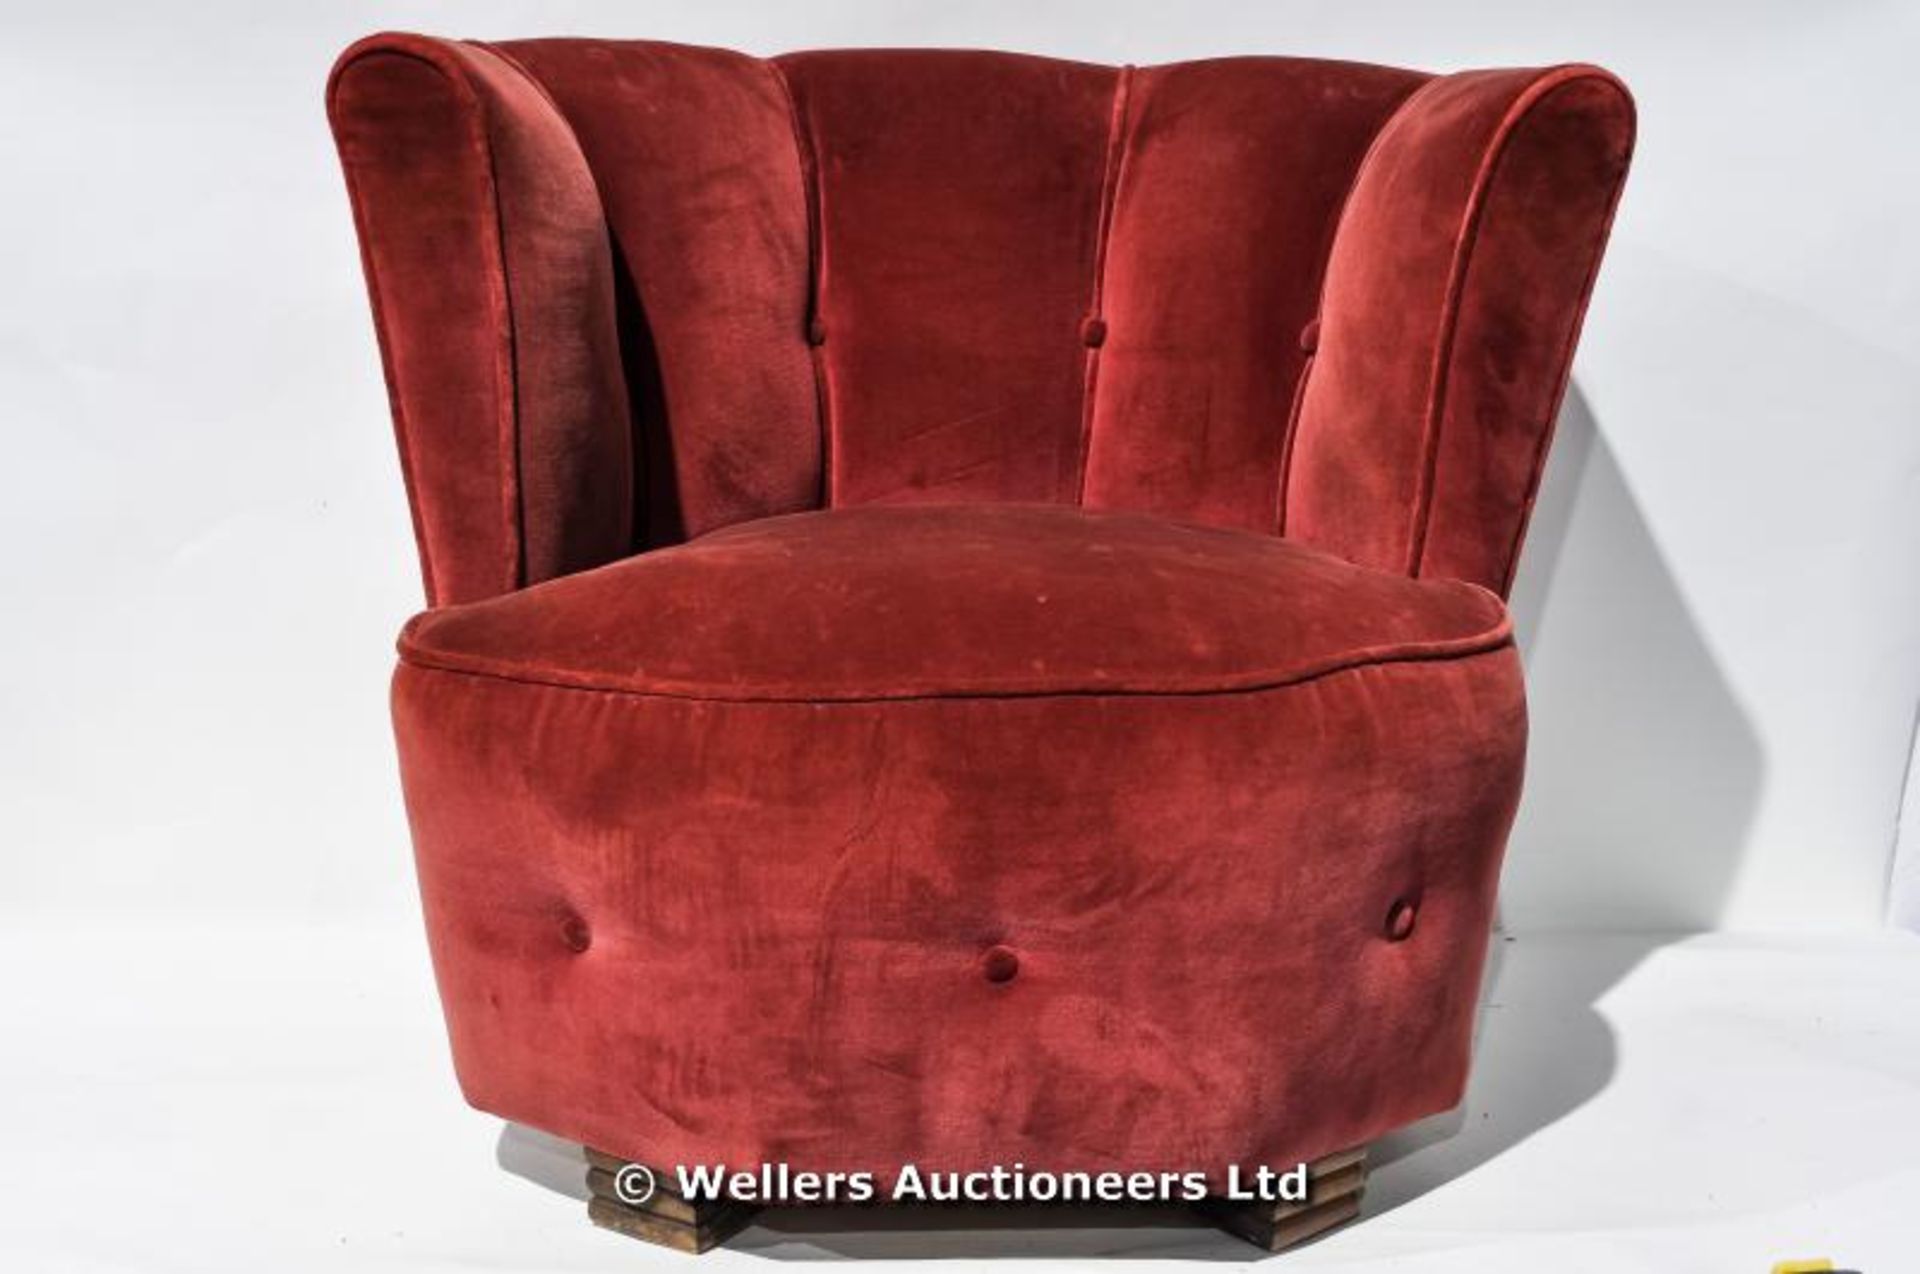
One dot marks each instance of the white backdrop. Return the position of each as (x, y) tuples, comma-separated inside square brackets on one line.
[(208, 554)]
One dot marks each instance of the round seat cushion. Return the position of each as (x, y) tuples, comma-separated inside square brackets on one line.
[(904, 602), (962, 836)]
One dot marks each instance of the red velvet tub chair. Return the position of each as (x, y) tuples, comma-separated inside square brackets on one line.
[(965, 590)]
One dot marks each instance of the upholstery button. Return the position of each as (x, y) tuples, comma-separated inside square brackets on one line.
[(1310, 336), (1093, 332), (574, 932), (1400, 920), (999, 964), (816, 331)]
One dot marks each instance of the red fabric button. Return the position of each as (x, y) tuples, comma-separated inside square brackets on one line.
[(1093, 332), (816, 331), (999, 964), (574, 932), (1400, 920), (1310, 336)]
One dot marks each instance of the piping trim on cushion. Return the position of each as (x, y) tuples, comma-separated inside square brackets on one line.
[(1499, 637)]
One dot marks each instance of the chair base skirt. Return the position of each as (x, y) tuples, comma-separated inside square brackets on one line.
[(1335, 1185)]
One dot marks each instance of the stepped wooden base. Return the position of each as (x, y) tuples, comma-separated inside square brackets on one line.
[(665, 1218), (1335, 1184)]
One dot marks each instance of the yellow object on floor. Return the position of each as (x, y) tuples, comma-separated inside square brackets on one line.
[(1818, 1266)]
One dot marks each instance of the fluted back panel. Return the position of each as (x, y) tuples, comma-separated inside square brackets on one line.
[(1325, 300), (958, 202), (1021, 278), (1230, 179), (693, 151)]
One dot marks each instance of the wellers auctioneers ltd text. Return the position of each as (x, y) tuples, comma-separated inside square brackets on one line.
[(777, 1183)]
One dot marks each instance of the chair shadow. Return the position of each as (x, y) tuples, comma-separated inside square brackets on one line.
[(1643, 779), (1643, 772)]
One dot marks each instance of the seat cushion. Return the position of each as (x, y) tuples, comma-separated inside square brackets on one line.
[(909, 602), (727, 852)]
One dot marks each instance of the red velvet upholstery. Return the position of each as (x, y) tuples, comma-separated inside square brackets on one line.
[(486, 250), (714, 837), (1453, 298), (950, 306), (694, 154), (1195, 383), (993, 599)]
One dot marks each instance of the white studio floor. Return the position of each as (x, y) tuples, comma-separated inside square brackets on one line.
[(252, 1100)]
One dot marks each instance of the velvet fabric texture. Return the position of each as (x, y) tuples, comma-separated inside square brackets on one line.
[(966, 586)]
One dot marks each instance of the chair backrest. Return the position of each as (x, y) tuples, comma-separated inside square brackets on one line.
[(713, 287)]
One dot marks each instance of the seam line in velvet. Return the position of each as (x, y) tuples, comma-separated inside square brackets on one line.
[(540, 89), (1114, 164), (507, 371), (1286, 443), (1497, 639), (1465, 247), (1319, 309), (810, 196)]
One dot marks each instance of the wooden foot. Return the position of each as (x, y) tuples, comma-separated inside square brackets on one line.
[(1334, 1186), (665, 1218)]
